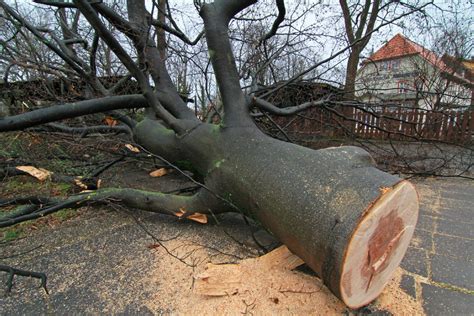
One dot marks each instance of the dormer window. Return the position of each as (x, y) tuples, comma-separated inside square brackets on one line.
[(389, 65), (395, 64)]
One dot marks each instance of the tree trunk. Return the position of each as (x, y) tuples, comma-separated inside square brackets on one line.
[(350, 222), (351, 74)]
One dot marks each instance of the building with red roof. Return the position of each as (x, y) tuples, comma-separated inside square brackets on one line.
[(404, 72)]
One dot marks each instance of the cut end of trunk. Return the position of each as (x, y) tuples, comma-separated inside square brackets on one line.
[(378, 244)]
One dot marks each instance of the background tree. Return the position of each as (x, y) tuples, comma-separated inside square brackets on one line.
[(361, 20)]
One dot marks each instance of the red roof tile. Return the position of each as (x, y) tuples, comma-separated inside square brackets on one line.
[(400, 46)]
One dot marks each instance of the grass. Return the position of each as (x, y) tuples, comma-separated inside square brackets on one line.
[(11, 234), (22, 185), (26, 185), (18, 231), (58, 154), (63, 215)]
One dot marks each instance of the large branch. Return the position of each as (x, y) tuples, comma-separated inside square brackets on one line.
[(182, 206), (84, 131), (269, 107), (168, 94), (216, 18), (276, 24), (371, 24), (70, 110), (347, 20), (364, 14)]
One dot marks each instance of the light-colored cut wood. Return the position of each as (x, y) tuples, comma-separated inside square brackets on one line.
[(379, 244), (226, 279), (281, 258)]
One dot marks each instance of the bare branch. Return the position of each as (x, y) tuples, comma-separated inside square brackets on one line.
[(269, 107), (280, 18), (14, 271), (84, 131), (73, 64), (202, 202), (168, 94), (70, 110)]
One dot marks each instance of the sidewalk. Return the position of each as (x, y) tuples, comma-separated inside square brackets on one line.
[(440, 260)]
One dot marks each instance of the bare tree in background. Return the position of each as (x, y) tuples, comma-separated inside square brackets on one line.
[(361, 20)]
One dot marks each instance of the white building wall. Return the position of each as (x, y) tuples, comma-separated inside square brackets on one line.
[(406, 79)]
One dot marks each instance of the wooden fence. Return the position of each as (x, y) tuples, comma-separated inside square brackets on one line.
[(449, 126), (399, 124)]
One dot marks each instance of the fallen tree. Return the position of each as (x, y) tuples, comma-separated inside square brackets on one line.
[(350, 222)]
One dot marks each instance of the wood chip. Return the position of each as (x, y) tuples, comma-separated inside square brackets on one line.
[(384, 190), (195, 216), (219, 280), (198, 217), (281, 258), (158, 173), (39, 173), (79, 183), (180, 213), (132, 148)]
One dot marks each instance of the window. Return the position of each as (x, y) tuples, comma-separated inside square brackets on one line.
[(404, 87), (389, 65), (383, 66), (395, 64)]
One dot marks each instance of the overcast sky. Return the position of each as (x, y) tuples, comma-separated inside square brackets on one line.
[(326, 21)]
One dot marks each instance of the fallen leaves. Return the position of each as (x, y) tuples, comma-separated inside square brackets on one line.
[(153, 246), (110, 121), (39, 173)]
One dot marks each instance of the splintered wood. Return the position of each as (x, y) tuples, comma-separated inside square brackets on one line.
[(39, 173), (227, 279), (132, 148)]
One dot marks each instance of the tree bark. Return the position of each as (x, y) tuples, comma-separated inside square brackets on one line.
[(351, 73)]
